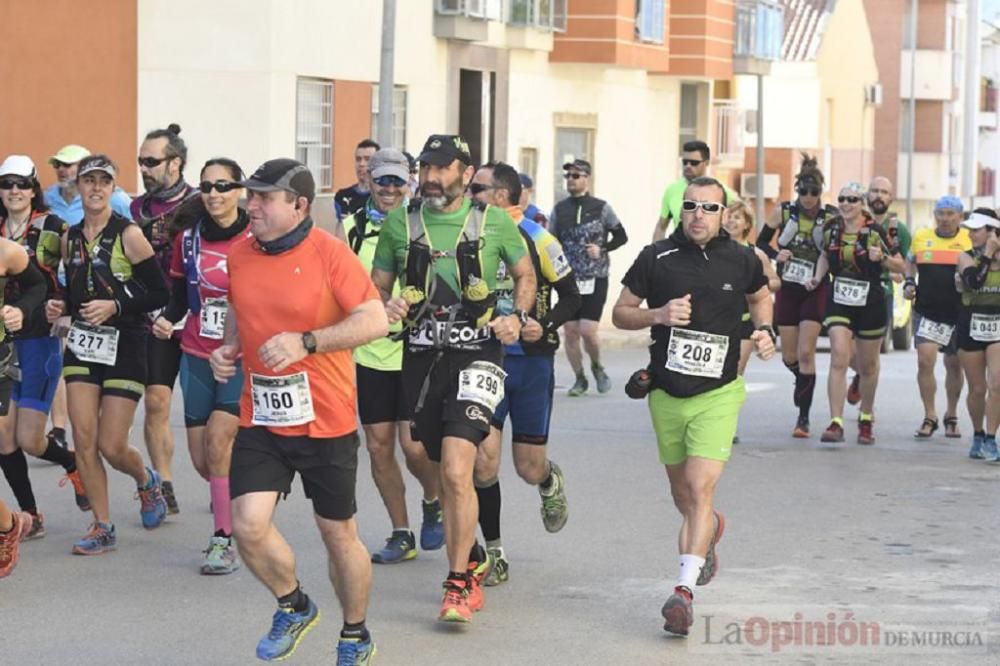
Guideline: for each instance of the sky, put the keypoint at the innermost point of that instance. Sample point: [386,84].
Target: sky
[990,9]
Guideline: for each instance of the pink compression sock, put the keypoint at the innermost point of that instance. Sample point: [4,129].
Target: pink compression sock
[219,486]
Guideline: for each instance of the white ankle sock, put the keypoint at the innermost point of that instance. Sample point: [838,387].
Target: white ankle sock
[690,569]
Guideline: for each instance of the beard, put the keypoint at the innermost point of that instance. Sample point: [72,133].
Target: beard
[151,184]
[439,197]
[878,206]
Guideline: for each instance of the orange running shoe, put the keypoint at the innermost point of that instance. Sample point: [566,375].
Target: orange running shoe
[10,543]
[73,477]
[801,430]
[455,604]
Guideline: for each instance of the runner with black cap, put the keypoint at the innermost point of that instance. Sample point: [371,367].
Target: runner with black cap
[382,407]
[582,223]
[299,302]
[447,254]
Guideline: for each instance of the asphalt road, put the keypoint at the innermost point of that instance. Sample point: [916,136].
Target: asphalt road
[833,554]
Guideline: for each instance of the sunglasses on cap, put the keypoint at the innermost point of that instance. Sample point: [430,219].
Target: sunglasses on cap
[220,186]
[687,162]
[389,181]
[151,162]
[574,176]
[710,207]
[850,200]
[808,191]
[20,183]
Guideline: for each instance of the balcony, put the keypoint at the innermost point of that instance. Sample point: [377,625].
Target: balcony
[727,124]
[934,75]
[760,29]
[465,20]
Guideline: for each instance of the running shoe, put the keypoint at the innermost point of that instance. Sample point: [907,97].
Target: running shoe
[152,508]
[355,652]
[555,511]
[476,574]
[220,557]
[59,439]
[711,566]
[990,453]
[854,390]
[601,377]
[801,430]
[833,433]
[976,452]
[501,568]
[10,543]
[73,477]
[678,613]
[287,630]
[398,548]
[99,540]
[455,604]
[37,530]
[169,497]
[432,528]
[865,434]
[580,387]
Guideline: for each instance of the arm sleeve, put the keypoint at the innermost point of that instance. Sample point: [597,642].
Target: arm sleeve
[33,289]
[614,225]
[154,292]
[974,277]
[764,241]
[569,303]
[178,305]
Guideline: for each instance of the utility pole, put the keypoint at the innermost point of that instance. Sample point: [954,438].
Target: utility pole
[912,112]
[386,84]
[759,193]
[971,122]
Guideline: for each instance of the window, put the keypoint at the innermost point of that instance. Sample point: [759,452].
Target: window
[314,129]
[528,162]
[541,14]
[649,21]
[398,138]
[484,9]
[571,143]
[689,113]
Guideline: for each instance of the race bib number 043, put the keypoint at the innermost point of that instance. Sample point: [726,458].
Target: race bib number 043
[281,401]
[853,293]
[94,344]
[482,383]
[985,327]
[696,353]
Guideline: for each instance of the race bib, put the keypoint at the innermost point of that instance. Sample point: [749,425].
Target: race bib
[93,344]
[850,292]
[281,401]
[985,327]
[935,331]
[696,353]
[798,271]
[482,383]
[213,318]
[586,286]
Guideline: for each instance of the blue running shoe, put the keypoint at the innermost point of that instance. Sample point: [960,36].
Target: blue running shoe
[153,508]
[398,548]
[99,540]
[976,452]
[287,630]
[990,453]
[355,652]
[432,529]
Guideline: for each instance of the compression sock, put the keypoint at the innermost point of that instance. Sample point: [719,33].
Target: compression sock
[805,387]
[56,454]
[794,369]
[15,469]
[489,510]
[221,508]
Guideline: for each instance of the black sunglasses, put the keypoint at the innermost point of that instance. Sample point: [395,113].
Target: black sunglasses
[221,186]
[710,207]
[808,191]
[574,176]
[692,162]
[850,200]
[387,181]
[151,162]
[479,188]
[20,183]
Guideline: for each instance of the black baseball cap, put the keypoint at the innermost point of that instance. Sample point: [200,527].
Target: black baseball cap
[442,149]
[283,175]
[581,165]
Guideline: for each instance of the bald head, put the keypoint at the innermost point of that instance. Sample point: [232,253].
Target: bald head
[880,195]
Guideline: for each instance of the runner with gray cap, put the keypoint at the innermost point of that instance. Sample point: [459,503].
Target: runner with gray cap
[382,407]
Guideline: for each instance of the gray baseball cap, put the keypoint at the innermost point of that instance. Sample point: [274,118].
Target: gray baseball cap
[389,162]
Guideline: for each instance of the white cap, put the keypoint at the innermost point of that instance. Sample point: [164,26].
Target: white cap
[18,165]
[978,221]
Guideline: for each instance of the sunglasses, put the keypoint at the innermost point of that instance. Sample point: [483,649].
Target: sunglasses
[710,207]
[62,165]
[808,191]
[151,162]
[850,200]
[220,186]
[574,176]
[389,181]
[479,188]
[20,183]
[692,162]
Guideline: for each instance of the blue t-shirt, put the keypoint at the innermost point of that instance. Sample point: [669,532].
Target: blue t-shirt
[72,212]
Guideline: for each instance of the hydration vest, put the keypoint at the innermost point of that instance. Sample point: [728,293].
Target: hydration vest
[89,274]
[439,302]
[846,257]
[805,230]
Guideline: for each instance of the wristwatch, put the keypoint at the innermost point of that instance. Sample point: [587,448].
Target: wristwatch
[309,342]
[522,315]
[770,331]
